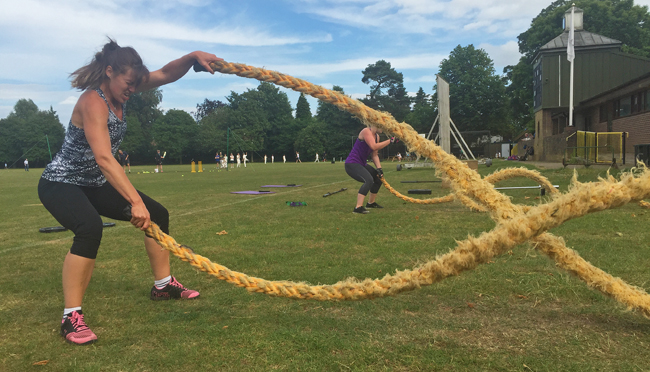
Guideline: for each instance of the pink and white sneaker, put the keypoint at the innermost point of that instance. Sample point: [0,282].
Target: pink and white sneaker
[75,330]
[173,290]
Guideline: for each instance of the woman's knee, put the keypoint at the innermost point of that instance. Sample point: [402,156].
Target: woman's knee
[87,238]
[367,186]
[160,215]
[375,187]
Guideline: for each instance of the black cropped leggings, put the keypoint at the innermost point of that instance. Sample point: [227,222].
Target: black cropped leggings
[78,208]
[366,174]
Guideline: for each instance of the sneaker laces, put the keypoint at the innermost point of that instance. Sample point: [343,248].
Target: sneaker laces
[176,283]
[77,321]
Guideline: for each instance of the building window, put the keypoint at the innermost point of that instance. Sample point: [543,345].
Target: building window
[537,85]
[638,103]
[558,123]
[623,107]
[602,113]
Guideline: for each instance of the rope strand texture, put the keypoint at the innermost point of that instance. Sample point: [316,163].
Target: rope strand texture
[515,224]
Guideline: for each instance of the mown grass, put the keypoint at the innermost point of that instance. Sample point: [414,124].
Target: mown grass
[518,313]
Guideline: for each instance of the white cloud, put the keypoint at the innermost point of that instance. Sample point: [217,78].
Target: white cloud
[71,100]
[429,16]
[502,55]
[417,61]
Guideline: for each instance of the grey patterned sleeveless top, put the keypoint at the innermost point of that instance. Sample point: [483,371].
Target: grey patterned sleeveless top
[75,162]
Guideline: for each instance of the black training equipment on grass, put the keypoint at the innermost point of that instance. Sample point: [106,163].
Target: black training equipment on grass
[420,191]
[61,228]
[333,192]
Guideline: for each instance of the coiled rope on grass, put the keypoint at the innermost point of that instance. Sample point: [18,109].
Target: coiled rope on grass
[498,176]
[515,224]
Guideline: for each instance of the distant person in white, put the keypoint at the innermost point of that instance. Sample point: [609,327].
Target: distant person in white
[316,161]
[245,159]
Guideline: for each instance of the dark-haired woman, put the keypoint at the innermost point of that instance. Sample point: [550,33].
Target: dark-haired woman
[356,166]
[74,186]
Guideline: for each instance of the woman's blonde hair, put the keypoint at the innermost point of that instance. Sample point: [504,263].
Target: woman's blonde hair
[120,59]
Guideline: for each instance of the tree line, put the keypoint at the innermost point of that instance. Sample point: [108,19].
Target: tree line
[261,121]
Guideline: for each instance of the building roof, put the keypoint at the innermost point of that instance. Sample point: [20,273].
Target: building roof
[583,39]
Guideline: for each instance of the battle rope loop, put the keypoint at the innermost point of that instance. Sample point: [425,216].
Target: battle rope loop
[515,224]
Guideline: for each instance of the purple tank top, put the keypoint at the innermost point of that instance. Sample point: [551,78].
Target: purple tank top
[359,153]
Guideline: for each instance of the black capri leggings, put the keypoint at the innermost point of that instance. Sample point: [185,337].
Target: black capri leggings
[366,174]
[78,208]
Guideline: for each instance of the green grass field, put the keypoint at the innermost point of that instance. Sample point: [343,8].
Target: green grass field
[518,313]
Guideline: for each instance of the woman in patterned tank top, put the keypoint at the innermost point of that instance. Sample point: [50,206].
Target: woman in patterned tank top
[74,187]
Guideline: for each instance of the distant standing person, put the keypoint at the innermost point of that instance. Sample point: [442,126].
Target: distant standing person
[217,159]
[316,161]
[6,166]
[284,159]
[264,158]
[238,161]
[367,144]
[124,160]
[159,159]
[298,157]
[272,159]
[245,158]
[26,165]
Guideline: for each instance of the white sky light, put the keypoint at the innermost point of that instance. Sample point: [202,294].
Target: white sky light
[327,42]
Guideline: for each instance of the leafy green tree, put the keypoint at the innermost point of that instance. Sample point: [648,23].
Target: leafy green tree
[310,140]
[135,142]
[206,108]
[423,115]
[175,133]
[340,127]
[248,121]
[23,134]
[282,129]
[476,93]
[387,92]
[212,135]
[303,110]
[144,107]
[519,92]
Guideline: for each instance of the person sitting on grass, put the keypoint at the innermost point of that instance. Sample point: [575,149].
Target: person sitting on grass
[356,166]
[74,187]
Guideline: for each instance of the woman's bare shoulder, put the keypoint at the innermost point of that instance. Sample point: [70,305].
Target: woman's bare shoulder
[90,105]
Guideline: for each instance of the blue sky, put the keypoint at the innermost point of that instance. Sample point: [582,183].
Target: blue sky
[327,42]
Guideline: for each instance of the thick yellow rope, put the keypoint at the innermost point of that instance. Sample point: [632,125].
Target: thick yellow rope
[515,224]
[498,176]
